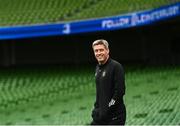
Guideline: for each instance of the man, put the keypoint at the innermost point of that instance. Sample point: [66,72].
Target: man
[109,108]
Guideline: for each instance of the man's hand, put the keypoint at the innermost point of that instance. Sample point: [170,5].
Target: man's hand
[95,114]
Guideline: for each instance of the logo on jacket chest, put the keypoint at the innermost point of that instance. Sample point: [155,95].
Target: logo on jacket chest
[102,73]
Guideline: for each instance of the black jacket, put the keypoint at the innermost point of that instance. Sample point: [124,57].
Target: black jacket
[110,84]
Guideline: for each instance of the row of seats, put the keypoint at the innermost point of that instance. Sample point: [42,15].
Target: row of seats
[20,12]
[24,86]
[57,96]
[152,96]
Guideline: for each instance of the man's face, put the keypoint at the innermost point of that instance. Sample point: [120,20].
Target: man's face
[101,53]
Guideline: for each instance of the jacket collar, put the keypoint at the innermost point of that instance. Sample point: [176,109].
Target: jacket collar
[101,65]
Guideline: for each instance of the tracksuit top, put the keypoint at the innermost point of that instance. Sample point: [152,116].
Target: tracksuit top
[110,84]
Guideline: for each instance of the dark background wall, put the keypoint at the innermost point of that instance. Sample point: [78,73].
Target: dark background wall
[154,44]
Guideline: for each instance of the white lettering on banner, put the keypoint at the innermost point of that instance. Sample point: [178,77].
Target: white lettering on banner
[143,18]
[134,19]
[115,23]
[67,29]
[165,12]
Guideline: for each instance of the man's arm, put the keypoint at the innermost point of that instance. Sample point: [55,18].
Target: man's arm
[119,85]
[95,111]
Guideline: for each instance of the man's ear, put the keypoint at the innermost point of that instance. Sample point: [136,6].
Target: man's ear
[108,51]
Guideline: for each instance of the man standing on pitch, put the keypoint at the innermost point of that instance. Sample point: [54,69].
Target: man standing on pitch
[109,108]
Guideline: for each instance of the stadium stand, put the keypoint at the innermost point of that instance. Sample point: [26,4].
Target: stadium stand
[62,95]
[25,12]
[59,96]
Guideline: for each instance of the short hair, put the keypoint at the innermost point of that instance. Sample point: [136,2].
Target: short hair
[101,42]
